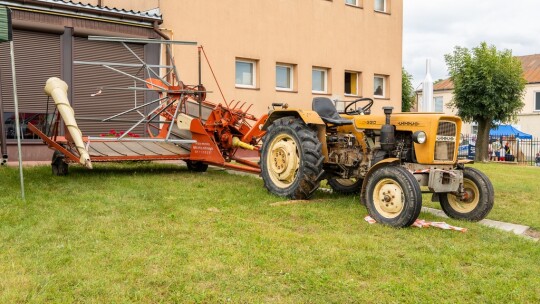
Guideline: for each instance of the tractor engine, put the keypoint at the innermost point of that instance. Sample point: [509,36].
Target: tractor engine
[343,149]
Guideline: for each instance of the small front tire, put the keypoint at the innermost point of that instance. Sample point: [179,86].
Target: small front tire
[478,201]
[393,197]
[196,166]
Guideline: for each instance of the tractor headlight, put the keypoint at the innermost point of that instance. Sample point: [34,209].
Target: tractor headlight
[419,137]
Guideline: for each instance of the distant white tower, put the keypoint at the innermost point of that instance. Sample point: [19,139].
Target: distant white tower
[427,94]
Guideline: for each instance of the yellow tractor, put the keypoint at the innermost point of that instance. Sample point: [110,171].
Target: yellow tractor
[388,159]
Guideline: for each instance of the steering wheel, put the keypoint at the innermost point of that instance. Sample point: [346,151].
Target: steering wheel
[362,110]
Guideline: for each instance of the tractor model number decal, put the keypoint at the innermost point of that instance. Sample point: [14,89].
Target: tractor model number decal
[409,123]
[446,138]
[370,122]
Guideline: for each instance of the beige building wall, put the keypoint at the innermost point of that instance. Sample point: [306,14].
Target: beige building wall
[529,118]
[304,34]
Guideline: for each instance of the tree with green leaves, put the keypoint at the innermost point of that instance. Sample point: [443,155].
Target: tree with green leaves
[488,89]
[407,91]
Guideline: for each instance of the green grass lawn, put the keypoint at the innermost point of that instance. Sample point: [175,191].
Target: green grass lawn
[156,233]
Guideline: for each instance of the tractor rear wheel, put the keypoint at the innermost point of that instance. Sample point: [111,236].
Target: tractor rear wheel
[291,159]
[58,165]
[346,185]
[393,196]
[196,166]
[478,200]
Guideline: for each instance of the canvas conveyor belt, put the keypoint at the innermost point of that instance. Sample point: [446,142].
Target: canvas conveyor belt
[133,149]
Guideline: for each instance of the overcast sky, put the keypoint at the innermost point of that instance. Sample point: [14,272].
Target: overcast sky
[431,28]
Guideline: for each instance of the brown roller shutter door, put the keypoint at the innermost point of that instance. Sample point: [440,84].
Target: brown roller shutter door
[89,79]
[37,57]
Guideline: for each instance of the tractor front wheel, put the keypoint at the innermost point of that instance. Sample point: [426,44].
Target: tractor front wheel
[346,185]
[393,196]
[291,159]
[476,202]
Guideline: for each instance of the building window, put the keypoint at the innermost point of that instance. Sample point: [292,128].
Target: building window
[284,77]
[352,86]
[319,80]
[379,86]
[380,6]
[537,101]
[352,2]
[37,119]
[438,101]
[245,73]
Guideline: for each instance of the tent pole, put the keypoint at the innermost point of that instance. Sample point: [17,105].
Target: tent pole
[17,123]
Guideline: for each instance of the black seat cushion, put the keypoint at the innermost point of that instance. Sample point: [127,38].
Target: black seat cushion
[327,111]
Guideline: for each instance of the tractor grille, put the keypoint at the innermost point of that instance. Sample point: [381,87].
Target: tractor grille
[445,143]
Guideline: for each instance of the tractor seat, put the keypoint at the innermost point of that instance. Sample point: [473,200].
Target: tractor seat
[327,111]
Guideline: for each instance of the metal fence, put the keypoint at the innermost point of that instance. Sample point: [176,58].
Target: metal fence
[522,151]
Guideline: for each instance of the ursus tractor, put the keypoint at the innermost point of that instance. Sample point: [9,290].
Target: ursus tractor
[389,160]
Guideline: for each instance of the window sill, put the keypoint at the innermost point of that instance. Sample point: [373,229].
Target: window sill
[322,93]
[383,12]
[248,88]
[352,95]
[381,98]
[354,6]
[286,91]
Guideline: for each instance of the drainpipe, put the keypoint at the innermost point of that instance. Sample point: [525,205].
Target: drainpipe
[2,131]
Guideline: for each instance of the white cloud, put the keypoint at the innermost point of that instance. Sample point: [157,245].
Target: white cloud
[433,28]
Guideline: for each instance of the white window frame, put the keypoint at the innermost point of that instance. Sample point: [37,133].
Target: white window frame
[352,4]
[325,70]
[253,76]
[385,8]
[535,100]
[291,77]
[383,87]
[435,103]
[357,83]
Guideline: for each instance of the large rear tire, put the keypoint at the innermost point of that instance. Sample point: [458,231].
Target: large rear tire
[478,201]
[393,196]
[291,159]
[346,185]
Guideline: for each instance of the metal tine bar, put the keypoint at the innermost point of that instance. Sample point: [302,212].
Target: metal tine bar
[134,77]
[139,122]
[135,108]
[140,40]
[243,104]
[168,50]
[174,116]
[154,90]
[129,65]
[86,118]
[144,65]
[116,139]
[162,110]
[236,104]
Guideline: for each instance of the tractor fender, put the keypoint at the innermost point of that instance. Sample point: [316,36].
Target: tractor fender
[383,163]
[308,117]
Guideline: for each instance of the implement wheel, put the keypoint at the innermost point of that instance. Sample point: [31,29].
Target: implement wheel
[291,160]
[58,165]
[196,166]
[346,185]
[393,197]
[478,201]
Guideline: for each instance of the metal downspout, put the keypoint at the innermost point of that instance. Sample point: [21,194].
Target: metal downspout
[2,131]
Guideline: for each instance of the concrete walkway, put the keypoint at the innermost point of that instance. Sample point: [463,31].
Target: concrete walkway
[521,230]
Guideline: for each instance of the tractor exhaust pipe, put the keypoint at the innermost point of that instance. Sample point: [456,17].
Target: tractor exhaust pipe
[388,139]
[57,89]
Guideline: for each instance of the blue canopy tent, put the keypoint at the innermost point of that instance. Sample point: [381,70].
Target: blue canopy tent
[508,130]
